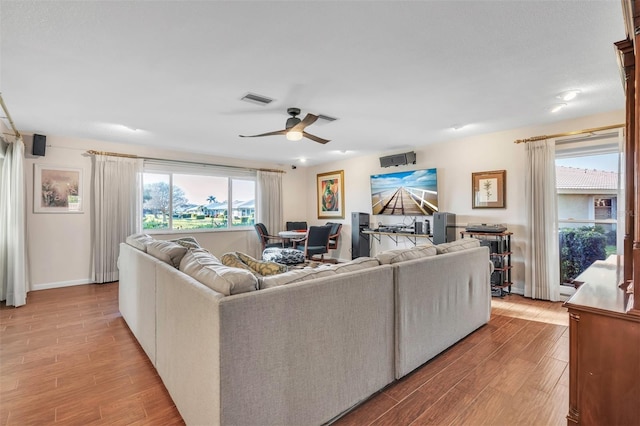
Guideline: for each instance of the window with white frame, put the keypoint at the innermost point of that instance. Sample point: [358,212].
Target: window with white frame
[186,196]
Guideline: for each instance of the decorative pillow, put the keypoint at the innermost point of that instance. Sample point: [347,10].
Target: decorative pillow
[139,241]
[188,242]
[262,267]
[401,255]
[355,265]
[294,276]
[458,245]
[283,255]
[231,259]
[206,268]
[167,251]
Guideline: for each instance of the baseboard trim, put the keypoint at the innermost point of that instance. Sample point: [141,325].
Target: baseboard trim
[60,284]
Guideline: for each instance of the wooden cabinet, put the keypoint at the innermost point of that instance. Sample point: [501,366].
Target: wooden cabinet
[499,244]
[604,351]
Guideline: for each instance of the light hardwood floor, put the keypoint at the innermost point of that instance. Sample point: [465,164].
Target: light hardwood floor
[67,357]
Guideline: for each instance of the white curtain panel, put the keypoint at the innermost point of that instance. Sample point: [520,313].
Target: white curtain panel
[13,247]
[269,204]
[542,271]
[117,210]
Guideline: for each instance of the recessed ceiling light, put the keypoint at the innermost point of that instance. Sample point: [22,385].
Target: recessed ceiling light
[557,107]
[303,160]
[457,126]
[568,95]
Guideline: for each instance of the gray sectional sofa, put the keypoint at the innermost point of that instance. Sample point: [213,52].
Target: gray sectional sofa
[302,347]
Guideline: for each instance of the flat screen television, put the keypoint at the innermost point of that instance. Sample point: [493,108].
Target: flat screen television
[409,193]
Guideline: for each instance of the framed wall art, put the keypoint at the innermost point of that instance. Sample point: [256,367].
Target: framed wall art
[489,189]
[57,189]
[330,188]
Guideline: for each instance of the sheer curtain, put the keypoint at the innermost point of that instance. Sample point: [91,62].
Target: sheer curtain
[13,268]
[117,209]
[269,206]
[542,276]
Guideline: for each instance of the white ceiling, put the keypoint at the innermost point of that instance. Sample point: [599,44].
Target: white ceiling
[396,74]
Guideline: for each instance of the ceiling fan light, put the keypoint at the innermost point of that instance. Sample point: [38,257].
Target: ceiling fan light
[294,136]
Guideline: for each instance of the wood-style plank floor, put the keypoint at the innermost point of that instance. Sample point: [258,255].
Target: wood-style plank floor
[67,357]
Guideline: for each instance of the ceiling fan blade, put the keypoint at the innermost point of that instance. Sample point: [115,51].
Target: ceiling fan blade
[308,120]
[277,132]
[315,138]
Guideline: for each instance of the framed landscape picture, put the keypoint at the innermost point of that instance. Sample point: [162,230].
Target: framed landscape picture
[330,188]
[57,189]
[489,189]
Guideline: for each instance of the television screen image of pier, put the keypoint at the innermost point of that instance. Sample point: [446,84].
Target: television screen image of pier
[410,193]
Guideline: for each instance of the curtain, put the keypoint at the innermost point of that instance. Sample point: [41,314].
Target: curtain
[117,210]
[542,274]
[13,247]
[269,205]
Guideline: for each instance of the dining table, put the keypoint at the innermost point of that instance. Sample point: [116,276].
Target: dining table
[290,236]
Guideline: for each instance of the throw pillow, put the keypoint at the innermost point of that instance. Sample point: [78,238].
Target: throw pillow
[232,260]
[188,242]
[284,256]
[206,268]
[262,267]
[139,241]
[458,245]
[167,251]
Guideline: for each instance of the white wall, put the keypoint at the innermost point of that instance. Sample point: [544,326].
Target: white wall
[60,244]
[455,161]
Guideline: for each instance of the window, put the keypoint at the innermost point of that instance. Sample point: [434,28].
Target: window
[184,196]
[587,184]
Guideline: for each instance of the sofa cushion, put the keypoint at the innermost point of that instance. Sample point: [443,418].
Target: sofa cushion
[283,255]
[206,268]
[355,265]
[295,276]
[401,255]
[188,242]
[458,245]
[139,241]
[166,251]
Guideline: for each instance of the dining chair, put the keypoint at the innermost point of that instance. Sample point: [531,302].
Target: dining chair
[316,242]
[334,235]
[295,226]
[264,237]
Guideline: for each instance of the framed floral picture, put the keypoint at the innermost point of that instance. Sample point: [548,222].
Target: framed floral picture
[57,189]
[330,187]
[489,189]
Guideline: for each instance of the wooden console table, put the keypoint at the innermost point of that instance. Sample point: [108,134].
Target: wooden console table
[604,350]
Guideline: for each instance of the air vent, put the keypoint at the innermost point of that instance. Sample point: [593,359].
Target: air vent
[256,99]
[326,118]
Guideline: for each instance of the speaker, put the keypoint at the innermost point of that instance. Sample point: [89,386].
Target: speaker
[417,228]
[39,145]
[398,159]
[444,227]
[359,241]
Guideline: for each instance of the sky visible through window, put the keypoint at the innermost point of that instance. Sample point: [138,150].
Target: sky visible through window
[606,162]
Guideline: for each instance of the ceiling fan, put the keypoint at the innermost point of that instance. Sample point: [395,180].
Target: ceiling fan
[294,130]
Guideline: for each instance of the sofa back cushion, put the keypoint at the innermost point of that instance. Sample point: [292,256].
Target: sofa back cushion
[206,268]
[401,255]
[355,265]
[458,245]
[167,251]
[139,241]
[295,276]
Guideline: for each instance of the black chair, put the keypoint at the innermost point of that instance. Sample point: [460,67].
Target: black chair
[334,235]
[316,242]
[265,238]
[296,226]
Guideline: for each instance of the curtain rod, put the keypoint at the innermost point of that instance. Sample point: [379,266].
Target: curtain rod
[8,117]
[115,154]
[577,132]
